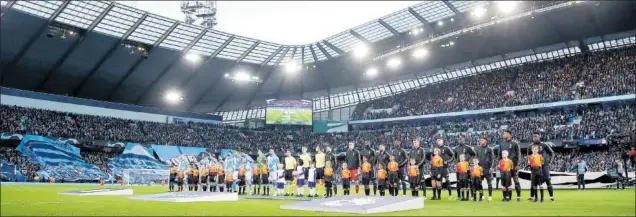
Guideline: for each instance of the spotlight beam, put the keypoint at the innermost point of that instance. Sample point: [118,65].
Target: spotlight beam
[238,60]
[280,85]
[198,69]
[169,67]
[259,87]
[133,68]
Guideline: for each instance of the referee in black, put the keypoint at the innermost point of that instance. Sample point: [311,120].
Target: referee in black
[402,159]
[418,153]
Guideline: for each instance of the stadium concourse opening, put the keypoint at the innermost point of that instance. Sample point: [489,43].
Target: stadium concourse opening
[442,108]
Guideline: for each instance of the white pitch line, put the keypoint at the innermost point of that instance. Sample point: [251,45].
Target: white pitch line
[50,202]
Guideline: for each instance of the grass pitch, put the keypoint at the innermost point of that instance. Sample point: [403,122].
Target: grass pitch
[45,201]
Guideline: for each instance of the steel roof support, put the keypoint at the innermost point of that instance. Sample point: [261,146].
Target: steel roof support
[238,61]
[359,37]
[260,85]
[322,49]
[390,28]
[451,7]
[302,77]
[280,85]
[322,77]
[107,55]
[169,67]
[72,48]
[31,40]
[212,56]
[197,70]
[140,59]
[7,7]
[424,22]
[334,48]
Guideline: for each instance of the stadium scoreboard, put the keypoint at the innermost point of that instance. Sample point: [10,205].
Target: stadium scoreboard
[289,112]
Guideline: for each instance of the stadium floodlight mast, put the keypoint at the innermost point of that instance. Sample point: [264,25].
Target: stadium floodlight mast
[420,53]
[173,96]
[361,50]
[372,72]
[394,62]
[507,6]
[192,57]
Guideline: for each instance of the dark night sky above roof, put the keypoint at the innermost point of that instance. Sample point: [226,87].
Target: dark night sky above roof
[92,64]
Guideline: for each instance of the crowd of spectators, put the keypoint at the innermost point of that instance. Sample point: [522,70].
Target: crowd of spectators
[595,122]
[591,75]
[23,165]
[99,159]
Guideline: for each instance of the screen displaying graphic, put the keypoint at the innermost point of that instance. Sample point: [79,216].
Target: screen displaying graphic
[297,112]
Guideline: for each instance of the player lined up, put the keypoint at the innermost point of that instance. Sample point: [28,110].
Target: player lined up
[386,170]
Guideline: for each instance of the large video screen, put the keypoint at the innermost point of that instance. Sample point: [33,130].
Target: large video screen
[296,112]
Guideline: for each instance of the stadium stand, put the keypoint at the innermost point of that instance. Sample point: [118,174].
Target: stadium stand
[592,75]
[581,74]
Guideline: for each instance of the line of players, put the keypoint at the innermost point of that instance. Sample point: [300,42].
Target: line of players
[389,170]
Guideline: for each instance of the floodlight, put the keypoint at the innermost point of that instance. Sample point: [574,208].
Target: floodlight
[451,43]
[361,50]
[452,20]
[254,77]
[440,23]
[227,75]
[506,6]
[419,53]
[192,57]
[292,67]
[242,76]
[394,62]
[478,12]
[372,72]
[173,96]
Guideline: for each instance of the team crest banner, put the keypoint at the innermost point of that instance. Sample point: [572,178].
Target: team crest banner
[59,159]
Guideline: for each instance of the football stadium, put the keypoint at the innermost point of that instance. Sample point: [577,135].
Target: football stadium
[438,108]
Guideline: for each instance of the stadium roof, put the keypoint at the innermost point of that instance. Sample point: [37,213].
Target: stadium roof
[88,59]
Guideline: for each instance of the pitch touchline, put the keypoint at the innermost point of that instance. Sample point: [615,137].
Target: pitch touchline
[53,202]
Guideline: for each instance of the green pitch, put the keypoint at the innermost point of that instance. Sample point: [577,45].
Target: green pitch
[45,201]
[288,116]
